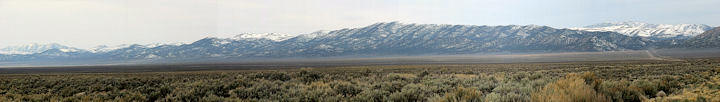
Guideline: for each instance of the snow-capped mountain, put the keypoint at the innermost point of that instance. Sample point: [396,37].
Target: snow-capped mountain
[269,36]
[106,48]
[153,45]
[394,38]
[36,48]
[380,39]
[655,31]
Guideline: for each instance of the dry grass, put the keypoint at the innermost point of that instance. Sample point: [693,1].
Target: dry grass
[572,88]
[465,76]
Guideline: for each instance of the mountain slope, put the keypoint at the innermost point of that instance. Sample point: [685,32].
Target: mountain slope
[268,36]
[397,38]
[655,31]
[35,48]
[380,39]
[708,39]
[105,48]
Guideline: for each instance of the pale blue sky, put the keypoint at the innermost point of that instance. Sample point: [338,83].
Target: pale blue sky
[87,23]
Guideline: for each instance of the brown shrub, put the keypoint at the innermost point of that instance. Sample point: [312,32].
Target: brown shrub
[572,88]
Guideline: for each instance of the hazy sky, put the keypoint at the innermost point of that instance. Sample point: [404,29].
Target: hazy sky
[87,23]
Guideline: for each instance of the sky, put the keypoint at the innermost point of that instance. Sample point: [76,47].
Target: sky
[88,23]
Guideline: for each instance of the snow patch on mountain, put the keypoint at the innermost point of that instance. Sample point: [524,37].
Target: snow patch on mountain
[270,36]
[34,48]
[313,35]
[152,56]
[106,48]
[649,30]
[69,50]
[153,45]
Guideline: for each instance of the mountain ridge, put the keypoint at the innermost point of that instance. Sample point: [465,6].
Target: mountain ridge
[654,31]
[379,39]
[35,48]
[708,39]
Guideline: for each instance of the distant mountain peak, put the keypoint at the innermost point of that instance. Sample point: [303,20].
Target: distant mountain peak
[269,36]
[153,45]
[388,23]
[642,29]
[624,23]
[106,48]
[312,35]
[32,48]
[708,39]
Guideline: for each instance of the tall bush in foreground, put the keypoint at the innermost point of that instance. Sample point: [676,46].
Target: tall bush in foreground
[572,88]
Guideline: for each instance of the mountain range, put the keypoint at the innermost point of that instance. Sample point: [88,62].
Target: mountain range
[653,31]
[383,39]
[35,48]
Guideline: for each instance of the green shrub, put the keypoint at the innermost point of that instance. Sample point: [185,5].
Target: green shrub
[460,95]
[309,76]
[273,76]
[646,88]
[392,86]
[345,88]
[260,90]
[412,93]
[371,96]
[619,91]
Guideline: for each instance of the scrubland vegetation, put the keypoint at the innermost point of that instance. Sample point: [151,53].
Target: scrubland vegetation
[627,81]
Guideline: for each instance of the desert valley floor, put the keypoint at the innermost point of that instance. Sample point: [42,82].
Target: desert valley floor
[607,76]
